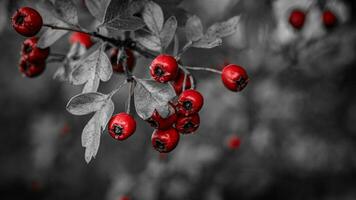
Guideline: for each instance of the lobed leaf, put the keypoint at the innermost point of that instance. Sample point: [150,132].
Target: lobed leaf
[86,103]
[150,95]
[97,8]
[168,32]
[207,42]
[194,28]
[150,42]
[153,17]
[223,29]
[114,9]
[129,23]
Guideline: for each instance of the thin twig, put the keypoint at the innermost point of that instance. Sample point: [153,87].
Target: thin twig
[128,108]
[184,49]
[204,69]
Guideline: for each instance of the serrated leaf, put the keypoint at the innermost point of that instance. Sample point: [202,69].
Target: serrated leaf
[207,43]
[168,32]
[129,23]
[153,17]
[97,8]
[91,69]
[224,29]
[150,42]
[114,9]
[194,28]
[92,131]
[150,95]
[86,103]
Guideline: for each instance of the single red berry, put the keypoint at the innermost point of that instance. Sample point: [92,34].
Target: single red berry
[164,68]
[189,102]
[165,141]
[234,77]
[81,38]
[297,19]
[129,61]
[124,198]
[157,122]
[179,81]
[329,19]
[32,52]
[188,124]
[121,126]
[27,21]
[31,69]
[233,142]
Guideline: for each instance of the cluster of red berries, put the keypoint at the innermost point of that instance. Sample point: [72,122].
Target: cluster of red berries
[297,19]
[28,22]
[184,116]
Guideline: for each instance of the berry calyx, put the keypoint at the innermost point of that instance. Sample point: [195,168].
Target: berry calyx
[157,122]
[121,126]
[188,124]
[233,142]
[81,38]
[234,77]
[329,19]
[179,81]
[32,52]
[27,21]
[297,19]
[129,61]
[189,102]
[165,141]
[164,68]
[31,69]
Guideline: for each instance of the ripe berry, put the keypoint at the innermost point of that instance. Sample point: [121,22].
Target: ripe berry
[27,21]
[32,52]
[81,38]
[30,69]
[188,124]
[121,126]
[165,141]
[129,61]
[329,19]
[179,80]
[189,102]
[157,122]
[297,19]
[233,142]
[164,68]
[234,77]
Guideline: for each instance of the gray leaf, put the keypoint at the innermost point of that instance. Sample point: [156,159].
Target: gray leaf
[93,129]
[168,32]
[97,8]
[114,9]
[50,36]
[130,23]
[86,103]
[150,42]
[66,10]
[150,96]
[207,42]
[224,29]
[91,85]
[153,17]
[194,28]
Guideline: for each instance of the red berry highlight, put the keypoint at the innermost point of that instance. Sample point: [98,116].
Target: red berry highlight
[27,21]
[121,126]
[189,102]
[81,38]
[164,68]
[234,77]
[297,19]
[188,124]
[32,52]
[165,141]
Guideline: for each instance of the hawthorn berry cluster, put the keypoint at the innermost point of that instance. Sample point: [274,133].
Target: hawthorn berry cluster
[297,18]
[169,101]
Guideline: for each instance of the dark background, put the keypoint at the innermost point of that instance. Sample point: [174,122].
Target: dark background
[296,118]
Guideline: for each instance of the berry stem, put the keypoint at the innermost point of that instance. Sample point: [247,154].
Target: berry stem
[186,73]
[184,49]
[131,87]
[117,89]
[204,69]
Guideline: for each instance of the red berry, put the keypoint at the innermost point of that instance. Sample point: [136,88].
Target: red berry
[297,19]
[157,122]
[27,21]
[32,52]
[121,126]
[329,19]
[188,124]
[179,80]
[124,198]
[31,69]
[81,38]
[234,77]
[164,68]
[129,61]
[165,141]
[233,142]
[189,102]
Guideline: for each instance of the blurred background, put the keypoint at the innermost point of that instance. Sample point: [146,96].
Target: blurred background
[296,119]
